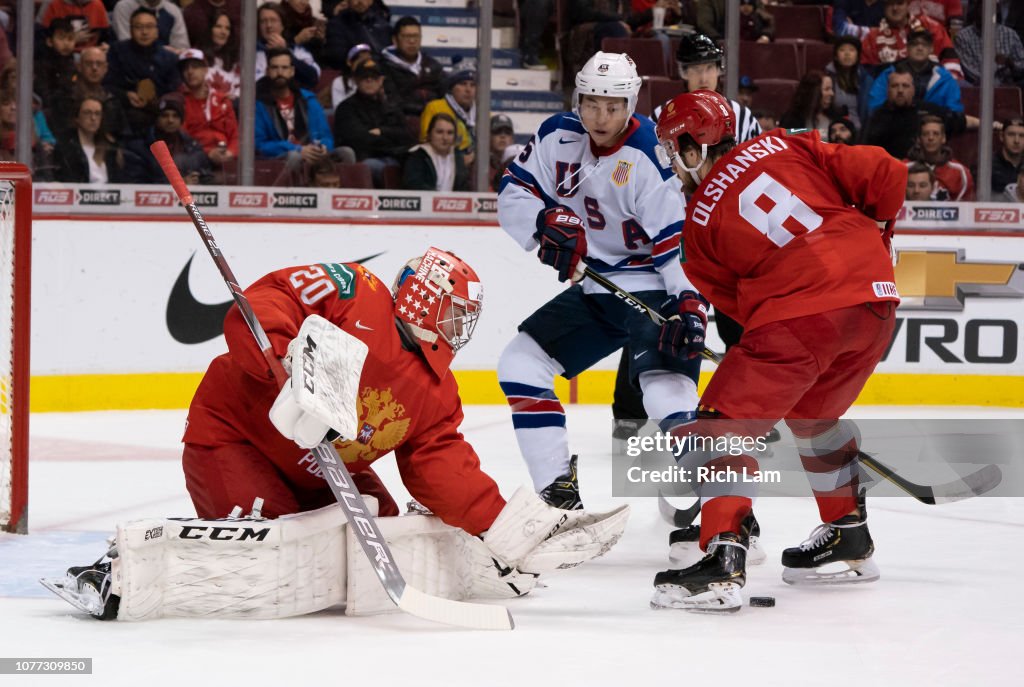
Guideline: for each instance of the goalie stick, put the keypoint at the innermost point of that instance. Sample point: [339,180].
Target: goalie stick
[363,526]
[979,482]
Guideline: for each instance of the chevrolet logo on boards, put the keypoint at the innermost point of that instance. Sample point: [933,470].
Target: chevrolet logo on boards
[942,280]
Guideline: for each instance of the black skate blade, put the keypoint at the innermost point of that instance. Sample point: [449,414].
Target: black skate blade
[676,516]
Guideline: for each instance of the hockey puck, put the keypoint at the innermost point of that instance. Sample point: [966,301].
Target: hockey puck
[762,601]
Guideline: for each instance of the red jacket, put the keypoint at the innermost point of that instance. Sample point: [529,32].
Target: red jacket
[784,226]
[885,45]
[402,405]
[211,121]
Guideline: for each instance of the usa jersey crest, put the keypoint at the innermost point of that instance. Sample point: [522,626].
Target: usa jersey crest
[621,174]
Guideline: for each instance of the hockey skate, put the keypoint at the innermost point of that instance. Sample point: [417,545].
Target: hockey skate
[87,588]
[683,548]
[712,585]
[564,492]
[836,552]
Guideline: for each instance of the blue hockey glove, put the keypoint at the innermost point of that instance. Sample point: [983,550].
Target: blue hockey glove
[563,240]
[683,334]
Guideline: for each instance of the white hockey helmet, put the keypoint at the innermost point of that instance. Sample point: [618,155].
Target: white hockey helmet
[608,74]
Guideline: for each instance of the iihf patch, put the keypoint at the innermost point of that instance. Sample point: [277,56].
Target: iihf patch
[621,173]
[366,433]
[885,289]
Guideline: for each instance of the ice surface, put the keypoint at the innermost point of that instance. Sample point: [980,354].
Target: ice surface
[947,610]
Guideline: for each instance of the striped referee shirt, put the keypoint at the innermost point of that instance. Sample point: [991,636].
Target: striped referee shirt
[746,123]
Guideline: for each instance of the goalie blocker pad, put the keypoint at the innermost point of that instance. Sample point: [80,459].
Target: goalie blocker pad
[323,391]
[294,565]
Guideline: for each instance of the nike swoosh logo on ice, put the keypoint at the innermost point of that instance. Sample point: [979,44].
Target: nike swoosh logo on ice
[360,325]
[568,140]
[192,322]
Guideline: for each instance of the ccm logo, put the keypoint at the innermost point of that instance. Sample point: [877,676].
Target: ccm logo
[150,199]
[54,197]
[223,533]
[352,202]
[453,205]
[248,200]
[997,215]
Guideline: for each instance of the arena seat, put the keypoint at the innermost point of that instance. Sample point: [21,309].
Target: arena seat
[799,21]
[648,53]
[778,60]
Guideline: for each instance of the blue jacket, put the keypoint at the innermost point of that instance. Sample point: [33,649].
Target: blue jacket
[271,133]
[942,90]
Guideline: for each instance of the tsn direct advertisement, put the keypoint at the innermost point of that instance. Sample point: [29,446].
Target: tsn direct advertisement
[137,277]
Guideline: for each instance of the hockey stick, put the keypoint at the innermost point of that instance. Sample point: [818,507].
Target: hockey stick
[362,525]
[983,480]
[641,307]
[677,517]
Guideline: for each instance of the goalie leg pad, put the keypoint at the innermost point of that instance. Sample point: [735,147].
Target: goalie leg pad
[522,524]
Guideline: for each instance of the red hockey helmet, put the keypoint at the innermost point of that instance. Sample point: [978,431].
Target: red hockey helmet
[438,297]
[705,116]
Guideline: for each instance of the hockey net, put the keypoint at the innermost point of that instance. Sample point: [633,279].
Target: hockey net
[15,259]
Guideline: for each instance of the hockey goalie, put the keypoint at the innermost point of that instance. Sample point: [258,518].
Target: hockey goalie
[369,369]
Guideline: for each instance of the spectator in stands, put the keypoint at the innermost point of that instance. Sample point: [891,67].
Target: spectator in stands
[365,21]
[54,73]
[920,181]
[412,78]
[953,181]
[766,120]
[437,164]
[324,175]
[745,91]
[87,154]
[208,115]
[270,19]
[221,51]
[141,71]
[888,42]
[850,79]
[603,16]
[171,31]
[344,86]
[187,153]
[842,130]
[932,82]
[812,105]
[856,17]
[302,27]
[199,18]
[1010,160]
[893,125]
[1009,51]
[711,18]
[371,124]
[89,17]
[756,23]
[42,138]
[460,105]
[1014,193]
[503,147]
[949,13]
[1010,13]
[534,16]
[290,123]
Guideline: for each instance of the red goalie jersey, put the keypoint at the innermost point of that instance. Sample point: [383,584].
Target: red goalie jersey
[783,226]
[233,452]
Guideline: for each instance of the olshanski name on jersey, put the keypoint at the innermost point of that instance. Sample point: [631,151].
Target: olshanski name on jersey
[715,187]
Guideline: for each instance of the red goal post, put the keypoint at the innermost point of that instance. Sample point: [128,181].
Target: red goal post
[15,283]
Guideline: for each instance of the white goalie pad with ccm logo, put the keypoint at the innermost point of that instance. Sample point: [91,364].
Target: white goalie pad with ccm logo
[293,565]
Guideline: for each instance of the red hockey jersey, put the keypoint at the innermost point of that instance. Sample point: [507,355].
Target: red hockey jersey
[784,226]
[402,405]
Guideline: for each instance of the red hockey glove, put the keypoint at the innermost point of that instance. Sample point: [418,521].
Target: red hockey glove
[683,334]
[563,240]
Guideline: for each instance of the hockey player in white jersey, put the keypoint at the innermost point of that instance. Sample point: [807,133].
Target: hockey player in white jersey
[589,190]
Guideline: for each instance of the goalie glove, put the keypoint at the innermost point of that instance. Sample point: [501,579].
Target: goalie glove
[682,335]
[563,241]
[320,401]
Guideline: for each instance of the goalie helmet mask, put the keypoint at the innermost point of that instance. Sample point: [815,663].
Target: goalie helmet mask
[610,75]
[702,118]
[438,299]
